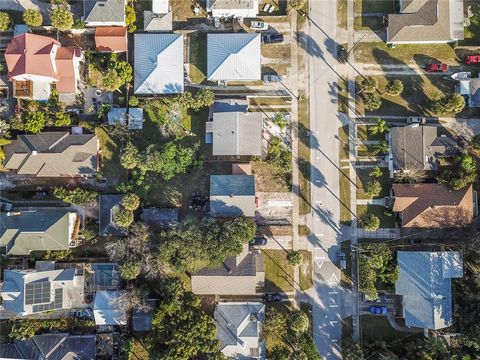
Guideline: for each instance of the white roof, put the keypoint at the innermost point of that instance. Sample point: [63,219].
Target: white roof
[158,64]
[108,309]
[160,6]
[233,57]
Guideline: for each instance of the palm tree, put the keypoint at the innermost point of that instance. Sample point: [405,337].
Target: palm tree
[381,148]
[410,175]
[380,127]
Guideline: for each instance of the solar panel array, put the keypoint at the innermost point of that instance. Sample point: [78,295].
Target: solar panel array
[57,304]
[37,293]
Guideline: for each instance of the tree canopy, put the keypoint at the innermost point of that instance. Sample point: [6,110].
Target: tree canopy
[32,17]
[372,102]
[34,121]
[194,245]
[394,88]
[464,173]
[61,18]
[76,196]
[5,21]
[370,222]
[448,104]
[369,85]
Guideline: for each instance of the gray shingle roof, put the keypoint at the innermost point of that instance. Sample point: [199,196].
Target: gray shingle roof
[40,229]
[158,64]
[107,11]
[157,22]
[419,147]
[232,195]
[233,57]
[52,347]
[109,205]
[53,154]
[236,132]
[425,284]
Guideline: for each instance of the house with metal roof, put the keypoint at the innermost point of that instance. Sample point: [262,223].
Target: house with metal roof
[243,274]
[426,287]
[419,147]
[433,205]
[232,8]
[53,346]
[37,230]
[235,131]
[158,64]
[239,329]
[142,319]
[52,154]
[109,205]
[131,117]
[234,57]
[108,308]
[232,195]
[111,39]
[426,22]
[104,12]
[27,292]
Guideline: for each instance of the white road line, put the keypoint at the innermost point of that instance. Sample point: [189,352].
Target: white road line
[318,234]
[333,292]
[332,305]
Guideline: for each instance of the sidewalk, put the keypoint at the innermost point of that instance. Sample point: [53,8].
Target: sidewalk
[382,233]
[371,202]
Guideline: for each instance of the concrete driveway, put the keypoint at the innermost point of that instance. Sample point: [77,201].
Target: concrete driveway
[22,5]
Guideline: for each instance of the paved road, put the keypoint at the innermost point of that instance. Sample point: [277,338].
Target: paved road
[329,298]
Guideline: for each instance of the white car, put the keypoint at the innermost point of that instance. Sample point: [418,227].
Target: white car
[259,25]
[272,78]
[416,120]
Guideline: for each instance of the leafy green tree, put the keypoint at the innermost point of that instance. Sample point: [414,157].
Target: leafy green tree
[278,154]
[369,85]
[280,121]
[204,98]
[76,196]
[381,148]
[32,17]
[62,119]
[24,329]
[123,218]
[376,172]
[5,21]
[3,142]
[372,102]
[130,157]
[373,188]
[380,127]
[465,172]
[133,101]
[118,74]
[130,270]
[130,18]
[370,222]
[192,246]
[61,18]
[448,104]
[394,88]
[353,352]
[34,121]
[131,202]
[4,128]
[56,255]
[294,258]
[298,322]
[181,331]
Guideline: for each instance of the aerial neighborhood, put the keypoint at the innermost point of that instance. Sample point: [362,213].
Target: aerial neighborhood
[239,179]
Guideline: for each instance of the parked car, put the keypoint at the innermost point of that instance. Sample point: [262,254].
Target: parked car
[416,120]
[271,297]
[258,241]
[6,206]
[378,310]
[272,38]
[472,59]
[436,67]
[258,25]
[83,313]
[272,78]
[216,22]
[342,260]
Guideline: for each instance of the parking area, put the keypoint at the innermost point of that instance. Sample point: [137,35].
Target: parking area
[274,208]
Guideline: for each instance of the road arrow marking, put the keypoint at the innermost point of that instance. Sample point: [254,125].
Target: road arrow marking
[332,323]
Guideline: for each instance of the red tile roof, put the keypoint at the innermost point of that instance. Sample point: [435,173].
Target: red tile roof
[111,38]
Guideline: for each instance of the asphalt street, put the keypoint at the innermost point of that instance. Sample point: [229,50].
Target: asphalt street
[329,297]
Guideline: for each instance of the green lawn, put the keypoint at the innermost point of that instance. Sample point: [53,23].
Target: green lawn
[198,56]
[363,134]
[418,91]
[380,212]
[271,177]
[380,53]
[346,279]
[110,167]
[377,328]
[344,175]
[367,23]
[343,95]
[278,272]
[367,150]
[342,14]
[343,137]
[306,276]
[304,155]
[472,32]
[363,178]
[374,6]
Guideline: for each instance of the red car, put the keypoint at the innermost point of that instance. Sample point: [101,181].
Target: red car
[472,59]
[437,67]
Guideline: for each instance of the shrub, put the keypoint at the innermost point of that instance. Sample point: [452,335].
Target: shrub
[376,172]
[133,101]
[294,258]
[5,21]
[130,270]
[33,17]
[370,222]
[373,188]
[61,18]
[75,196]
[298,322]
[394,88]
[34,121]
[62,119]
[123,218]
[130,18]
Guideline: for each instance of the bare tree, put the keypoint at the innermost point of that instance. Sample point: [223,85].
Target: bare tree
[133,298]
[410,175]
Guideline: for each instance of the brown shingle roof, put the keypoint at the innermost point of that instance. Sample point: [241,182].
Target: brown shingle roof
[433,205]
